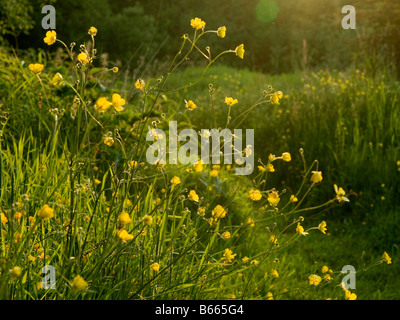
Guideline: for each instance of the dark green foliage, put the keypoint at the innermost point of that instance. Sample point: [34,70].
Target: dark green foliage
[304,34]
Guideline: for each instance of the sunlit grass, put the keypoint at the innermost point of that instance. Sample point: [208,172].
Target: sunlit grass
[78,194]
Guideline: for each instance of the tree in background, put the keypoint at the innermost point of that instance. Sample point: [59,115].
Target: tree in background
[16,17]
[279,35]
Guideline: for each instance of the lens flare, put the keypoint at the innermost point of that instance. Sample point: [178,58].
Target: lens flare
[267,11]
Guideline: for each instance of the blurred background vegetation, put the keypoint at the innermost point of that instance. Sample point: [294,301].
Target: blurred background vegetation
[279,35]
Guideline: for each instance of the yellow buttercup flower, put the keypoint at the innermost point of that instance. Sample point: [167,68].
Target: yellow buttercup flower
[327,277]
[293,198]
[148,220]
[36,68]
[51,37]
[15,272]
[254,262]
[140,84]
[340,194]
[248,151]
[316,176]
[85,257]
[201,211]
[57,79]
[255,195]
[198,167]
[273,198]
[271,157]
[175,181]
[251,222]
[83,58]
[124,218]
[3,218]
[261,169]
[206,134]
[349,295]
[197,23]
[228,256]
[117,102]
[325,269]
[226,235]
[124,236]
[18,237]
[314,280]
[214,173]
[109,141]
[155,267]
[276,97]
[102,104]
[274,274]
[286,156]
[156,163]
[218,212]
[79,283]
[133,164]
[18,215]
[386,258]
[193,196]
[190,105]
[32,220]
[42,255]
[322,227]
[221,32]
[273,239]
[92,31]
[115,69]
[212,221]
[240,51]
[230,101]
[46,212]
[245,259]
[270,167]
[270,296]
[300,230]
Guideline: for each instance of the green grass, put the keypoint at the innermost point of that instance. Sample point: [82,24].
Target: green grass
[353,131]
[53,152]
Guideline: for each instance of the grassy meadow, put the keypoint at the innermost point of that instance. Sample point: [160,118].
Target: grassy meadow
[77,193]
